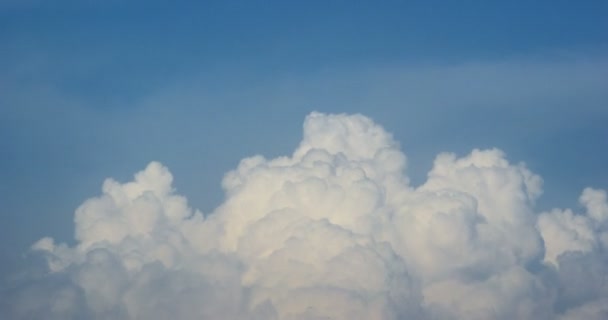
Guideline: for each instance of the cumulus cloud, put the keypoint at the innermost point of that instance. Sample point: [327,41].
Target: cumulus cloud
[334,231]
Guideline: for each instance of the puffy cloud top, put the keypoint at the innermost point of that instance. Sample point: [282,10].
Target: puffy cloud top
[333,231]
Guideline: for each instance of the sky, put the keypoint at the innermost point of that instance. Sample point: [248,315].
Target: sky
[96,89]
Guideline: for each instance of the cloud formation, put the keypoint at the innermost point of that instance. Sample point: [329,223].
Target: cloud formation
[334,231]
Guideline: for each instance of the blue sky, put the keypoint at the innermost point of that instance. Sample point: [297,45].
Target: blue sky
[91,89]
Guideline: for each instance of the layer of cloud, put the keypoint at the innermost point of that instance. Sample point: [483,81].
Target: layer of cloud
[334,231]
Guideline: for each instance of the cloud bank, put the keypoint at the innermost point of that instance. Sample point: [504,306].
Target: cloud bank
[334,231]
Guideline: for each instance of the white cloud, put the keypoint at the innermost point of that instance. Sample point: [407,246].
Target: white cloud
[565,231]
[334,231]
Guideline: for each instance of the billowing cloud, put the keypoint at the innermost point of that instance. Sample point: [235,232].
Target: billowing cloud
[334,231]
